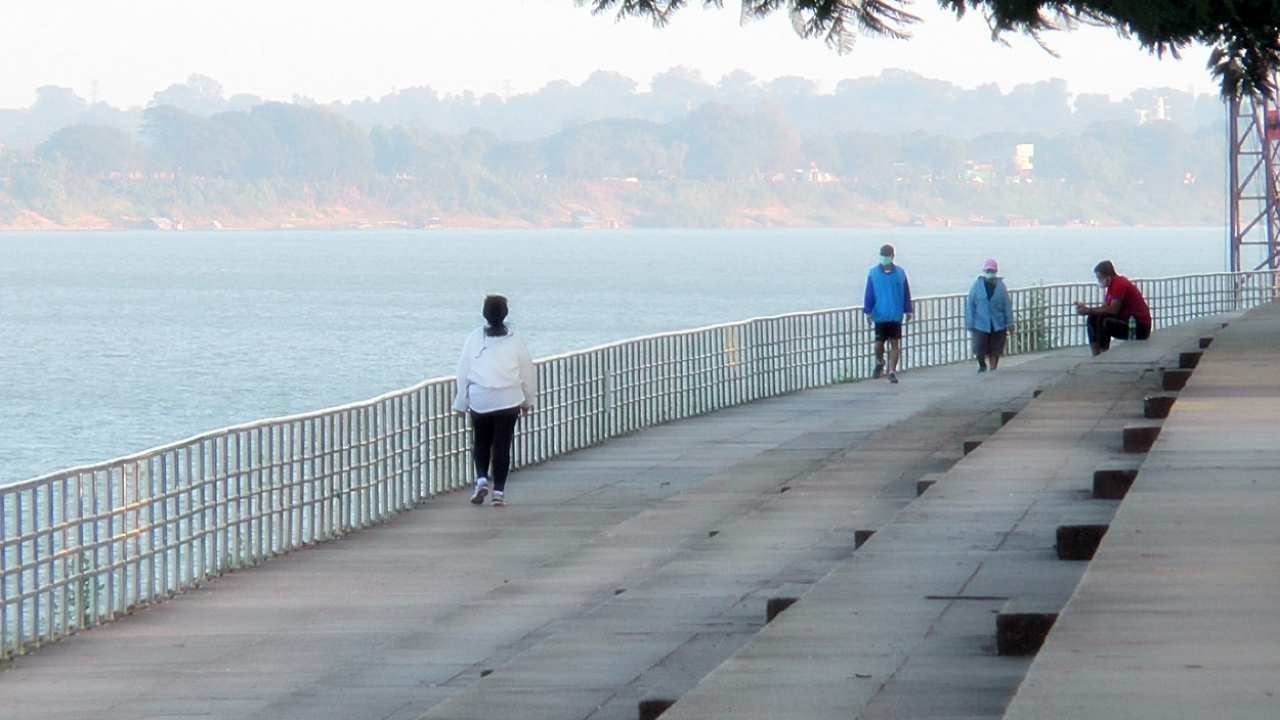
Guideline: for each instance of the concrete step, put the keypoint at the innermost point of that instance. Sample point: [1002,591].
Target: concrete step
[928,481]
[1140,436]
[1157,406]
[1111,481]
[1079,542]
[1175,379]
[1022,626]
[908,627]
[1175,617]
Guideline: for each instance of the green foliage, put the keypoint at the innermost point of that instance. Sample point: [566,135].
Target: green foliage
[92,149]
[82,590]
[728,144]
[1033,332]
[271,140]
[715,165]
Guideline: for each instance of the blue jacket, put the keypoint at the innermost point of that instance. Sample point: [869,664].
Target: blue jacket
[888,295]
[988,315]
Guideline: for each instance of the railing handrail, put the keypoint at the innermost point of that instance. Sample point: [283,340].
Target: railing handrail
[362,404]
[81,545]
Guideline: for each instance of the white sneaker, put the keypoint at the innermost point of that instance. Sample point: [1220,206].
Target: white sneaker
[498,499]
[482,489]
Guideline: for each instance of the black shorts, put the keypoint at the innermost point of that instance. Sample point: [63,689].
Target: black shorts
[888,331]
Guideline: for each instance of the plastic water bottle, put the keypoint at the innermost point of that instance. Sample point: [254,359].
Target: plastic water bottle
[1133,328]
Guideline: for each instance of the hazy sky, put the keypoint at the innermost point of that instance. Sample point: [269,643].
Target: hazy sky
[343,50]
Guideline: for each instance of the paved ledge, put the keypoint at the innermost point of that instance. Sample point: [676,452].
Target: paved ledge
[907,627]
[1178,615]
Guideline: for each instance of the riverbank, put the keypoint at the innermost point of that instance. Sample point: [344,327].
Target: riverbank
[779,219]
[194,203]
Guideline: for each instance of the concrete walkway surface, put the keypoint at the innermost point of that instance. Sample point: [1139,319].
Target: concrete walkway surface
[1178,615]
[907,628]
[615,573]
[642,568]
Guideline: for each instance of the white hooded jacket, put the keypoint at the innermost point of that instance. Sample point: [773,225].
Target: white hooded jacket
[494,373]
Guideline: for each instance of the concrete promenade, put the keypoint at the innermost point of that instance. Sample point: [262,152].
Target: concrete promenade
[1178,615]
[908,628]
[616,573]
[642,569]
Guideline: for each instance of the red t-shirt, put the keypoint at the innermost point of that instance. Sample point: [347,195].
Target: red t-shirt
[1131,300]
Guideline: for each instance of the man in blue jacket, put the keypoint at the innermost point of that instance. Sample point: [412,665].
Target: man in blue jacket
[887,302]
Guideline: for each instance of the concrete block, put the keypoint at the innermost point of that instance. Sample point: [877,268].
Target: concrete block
[1022,630]
[1188,360]
[1175,379]
[1139,437]
[1205,342]
[1007,416]
[860,537]
[1157,407]
[1079,542]
[1113,483]
[971,444]
[652,708]
[776,605]
[926,481]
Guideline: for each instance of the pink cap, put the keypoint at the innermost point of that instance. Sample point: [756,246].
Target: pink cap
[990,264]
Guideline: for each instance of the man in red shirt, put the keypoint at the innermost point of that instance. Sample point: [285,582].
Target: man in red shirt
[1123,314]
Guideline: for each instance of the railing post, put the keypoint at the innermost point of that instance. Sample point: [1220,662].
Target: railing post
[610,394]
[752,361]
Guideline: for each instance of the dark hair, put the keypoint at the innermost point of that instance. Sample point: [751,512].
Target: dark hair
[495,314]
[886,250]
[1105,268]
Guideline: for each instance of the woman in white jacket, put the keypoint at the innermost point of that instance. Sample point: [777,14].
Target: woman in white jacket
[496,383]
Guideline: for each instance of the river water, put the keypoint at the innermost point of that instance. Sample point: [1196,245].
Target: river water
[114,342]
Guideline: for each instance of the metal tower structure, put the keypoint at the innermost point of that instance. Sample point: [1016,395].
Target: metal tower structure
[1253,160]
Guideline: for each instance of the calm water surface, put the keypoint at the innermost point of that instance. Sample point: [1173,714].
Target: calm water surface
[114,342]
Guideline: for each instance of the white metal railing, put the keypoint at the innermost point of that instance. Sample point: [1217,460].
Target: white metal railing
[81,546]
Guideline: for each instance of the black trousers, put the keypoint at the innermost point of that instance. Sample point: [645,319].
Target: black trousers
[493,433]
[1103,328]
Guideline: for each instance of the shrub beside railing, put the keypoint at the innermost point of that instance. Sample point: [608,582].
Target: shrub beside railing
[81,546]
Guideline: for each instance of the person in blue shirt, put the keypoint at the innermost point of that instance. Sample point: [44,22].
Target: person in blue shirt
[887,303]
[988,313]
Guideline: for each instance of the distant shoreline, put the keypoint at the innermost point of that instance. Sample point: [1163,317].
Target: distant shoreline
[513,226]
